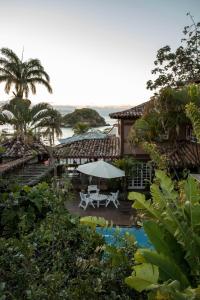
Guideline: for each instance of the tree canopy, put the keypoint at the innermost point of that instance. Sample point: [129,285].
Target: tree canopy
[52,123]
[25,118]
[45,252]
[176,68]
[80,128]
[19,113]
[20,76]
[165,114]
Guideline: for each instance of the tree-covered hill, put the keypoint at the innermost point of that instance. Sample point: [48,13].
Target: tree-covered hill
[84,115]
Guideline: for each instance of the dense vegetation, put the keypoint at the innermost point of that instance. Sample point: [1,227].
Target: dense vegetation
[21,78]
[84,115]
[165,114]
[179,67]
[46,254]
[171,271]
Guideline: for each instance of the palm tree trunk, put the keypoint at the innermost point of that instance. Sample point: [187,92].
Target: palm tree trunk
[53,136]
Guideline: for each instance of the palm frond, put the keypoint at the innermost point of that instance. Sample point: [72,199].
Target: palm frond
[37,73]
[10,55]
[42,81]
[33,88]
[23,75]
[39,107]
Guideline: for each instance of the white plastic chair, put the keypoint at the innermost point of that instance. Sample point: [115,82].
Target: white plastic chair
[85,201]
[93,189]
[114,199]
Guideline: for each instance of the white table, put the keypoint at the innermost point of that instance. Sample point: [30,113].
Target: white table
[98,198]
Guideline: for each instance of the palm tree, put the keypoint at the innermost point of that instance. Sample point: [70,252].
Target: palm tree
[22,75]
[80,128]
[22,116]
[52,122]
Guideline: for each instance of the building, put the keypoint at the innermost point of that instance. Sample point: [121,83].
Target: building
[142,170]
[183,154]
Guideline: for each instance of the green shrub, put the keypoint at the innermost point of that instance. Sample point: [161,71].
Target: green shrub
[172,270]
[45,253]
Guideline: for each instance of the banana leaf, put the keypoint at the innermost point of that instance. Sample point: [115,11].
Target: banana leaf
[145,276]
[168,269]
[165,243]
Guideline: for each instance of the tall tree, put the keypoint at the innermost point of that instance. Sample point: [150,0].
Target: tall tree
[20,76]
[52,122]
[181,66]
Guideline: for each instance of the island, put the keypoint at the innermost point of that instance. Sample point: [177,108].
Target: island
[84,115]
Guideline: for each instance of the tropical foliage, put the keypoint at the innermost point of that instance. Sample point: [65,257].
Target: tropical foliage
[46,254]
[165,115]
[165,118]
[193,113]
[181,66]
[127,164]
[80,128]
[52,123]
[21,77]
[24,117]
[172,270]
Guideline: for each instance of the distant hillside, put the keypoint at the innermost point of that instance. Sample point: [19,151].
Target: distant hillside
[103,111]
[84,115]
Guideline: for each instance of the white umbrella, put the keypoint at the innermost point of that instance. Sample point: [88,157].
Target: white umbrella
[101,169]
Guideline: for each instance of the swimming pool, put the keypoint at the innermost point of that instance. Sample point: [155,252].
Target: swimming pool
[139,234]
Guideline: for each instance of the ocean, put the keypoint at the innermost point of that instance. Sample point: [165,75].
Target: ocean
[103,111]
[64,109]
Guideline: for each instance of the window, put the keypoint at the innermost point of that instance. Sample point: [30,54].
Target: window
[165,135]
[142,174]
[190,136]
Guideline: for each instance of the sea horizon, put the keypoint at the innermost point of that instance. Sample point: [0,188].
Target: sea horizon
[104,112]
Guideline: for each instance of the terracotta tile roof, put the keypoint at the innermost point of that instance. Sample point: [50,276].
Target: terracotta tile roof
[4,167]
[18,148]
[99,148]
[132,113]
[184,154]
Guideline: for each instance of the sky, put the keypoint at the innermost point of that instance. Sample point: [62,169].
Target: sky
[97,52]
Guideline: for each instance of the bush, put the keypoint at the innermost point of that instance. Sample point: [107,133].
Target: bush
[46,254]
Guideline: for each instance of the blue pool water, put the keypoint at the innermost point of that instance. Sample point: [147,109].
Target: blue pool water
[139,234]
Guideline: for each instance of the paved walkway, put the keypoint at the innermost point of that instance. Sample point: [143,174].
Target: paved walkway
[124,215]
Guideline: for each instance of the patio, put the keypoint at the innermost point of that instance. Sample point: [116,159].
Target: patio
[124,215]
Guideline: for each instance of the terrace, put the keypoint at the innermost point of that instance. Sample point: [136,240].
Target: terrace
[124,215]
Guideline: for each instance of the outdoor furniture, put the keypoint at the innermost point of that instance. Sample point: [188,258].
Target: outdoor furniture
[99,198]
[93,189]
[101,169]
[85,201]
[114,199]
